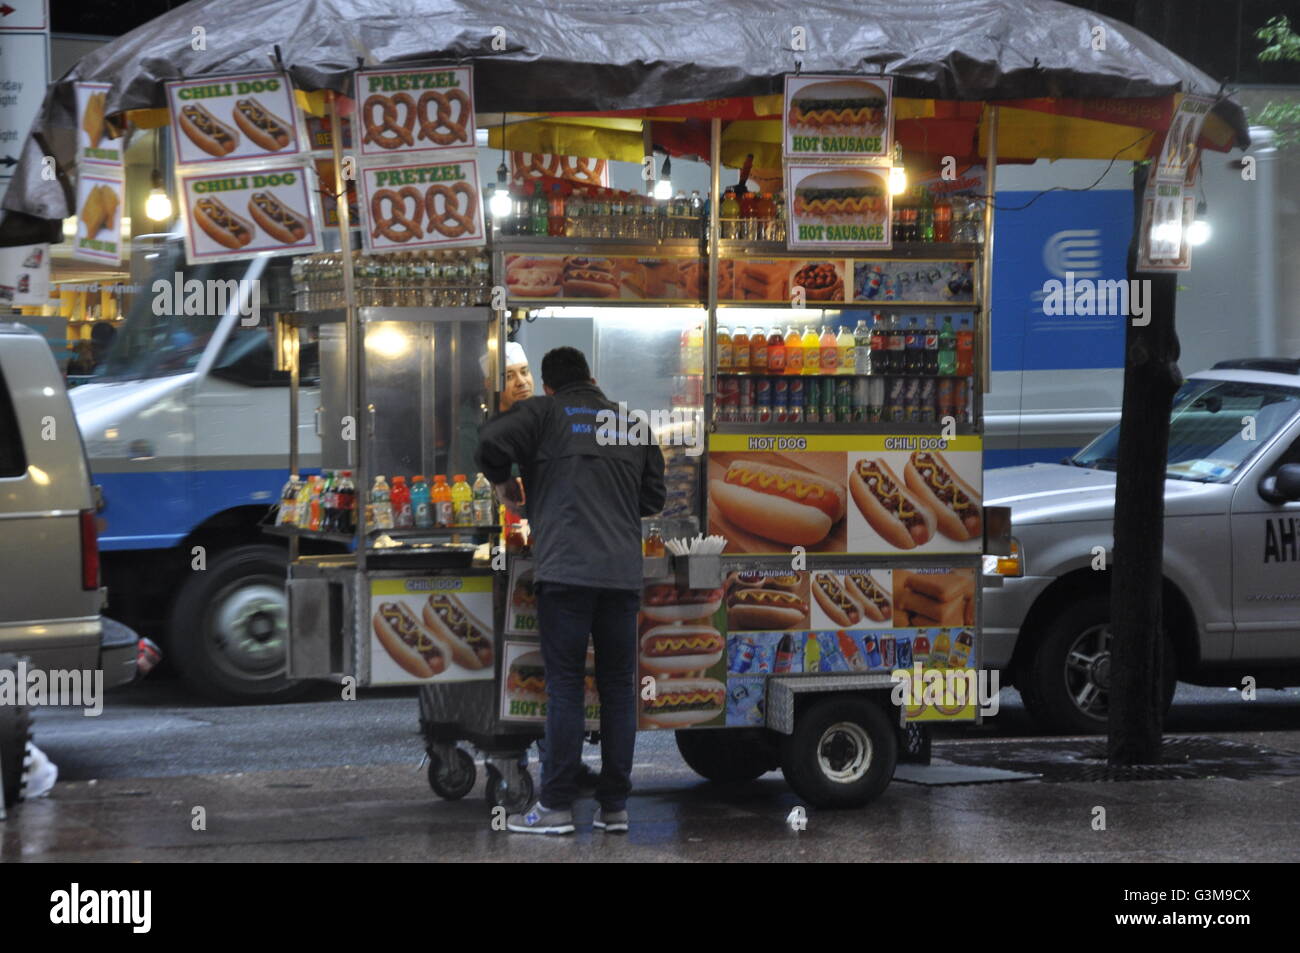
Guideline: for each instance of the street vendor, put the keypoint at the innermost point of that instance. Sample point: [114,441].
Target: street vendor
[586,498]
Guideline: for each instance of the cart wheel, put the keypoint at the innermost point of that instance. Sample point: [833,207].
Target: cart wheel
[725,756]
[499,793]
[453,781]
[842,752]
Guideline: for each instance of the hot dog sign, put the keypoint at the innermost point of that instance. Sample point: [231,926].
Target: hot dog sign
[426,205]
[414,110]
[243,214]
[225,118]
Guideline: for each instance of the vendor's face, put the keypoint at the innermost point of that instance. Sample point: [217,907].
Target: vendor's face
[519,385]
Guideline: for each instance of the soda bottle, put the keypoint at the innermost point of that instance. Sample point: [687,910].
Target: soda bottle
[965,349]
[830,352]
[381,502]
[795,398]
[943,220]
[287,515]
[931,361]
[441,503]
[748,216]
[346,497]
[744,656]
[843,398]
[793,351]
[780,399]
[316,508]
[784,655]
[541,211]
[740,352]
[878,361]
[763,399]
[897,350]
[697,213]
[724,351]
[876,399]
[523,211]
[862,344]
[921,650]
[758,352]
[776,352]
[947,358]
[403,518]
[421,503]
[811,343]
[846,345]
[555,216]
[925,218]
[462,502]
[960,653]
[914,348]
[329,480]
[827,387]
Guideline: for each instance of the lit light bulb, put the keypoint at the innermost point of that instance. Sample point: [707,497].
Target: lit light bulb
[897,180]
[663,190]
[500,203]
[1198,233]
[158,207]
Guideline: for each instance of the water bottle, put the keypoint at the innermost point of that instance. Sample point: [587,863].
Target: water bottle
[381,503]
[862,348]
[483,508]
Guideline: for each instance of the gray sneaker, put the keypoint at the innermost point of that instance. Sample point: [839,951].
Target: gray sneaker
[541,820]
[612,822]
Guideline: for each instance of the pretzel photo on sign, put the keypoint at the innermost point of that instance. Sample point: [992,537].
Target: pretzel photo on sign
[585,170]
[388,132]
[448,219]
[397,226]
[455,127]
[581,169]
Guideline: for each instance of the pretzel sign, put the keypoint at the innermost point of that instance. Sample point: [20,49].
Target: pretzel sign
[446,217]
[388,133]
[584,170]
[397,226]
[429,128]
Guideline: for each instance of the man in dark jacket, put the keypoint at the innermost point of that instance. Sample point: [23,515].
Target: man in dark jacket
[586,496]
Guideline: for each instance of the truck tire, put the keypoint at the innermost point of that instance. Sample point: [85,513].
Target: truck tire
[727,755]
[229,628]
[842,753]
[15,732]
[1066,683]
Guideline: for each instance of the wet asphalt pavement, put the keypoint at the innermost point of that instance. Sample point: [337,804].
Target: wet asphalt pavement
[328,780]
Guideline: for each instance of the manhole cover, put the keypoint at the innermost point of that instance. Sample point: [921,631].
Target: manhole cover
[1183,758]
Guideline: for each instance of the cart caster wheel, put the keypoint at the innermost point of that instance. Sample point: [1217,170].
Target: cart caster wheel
[452,781]
[842,752]
[499,793]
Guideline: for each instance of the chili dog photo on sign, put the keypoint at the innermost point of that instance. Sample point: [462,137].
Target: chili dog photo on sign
[922,501]
[225,118]
[431,628]
[232,215]
[426,205]
[414,110]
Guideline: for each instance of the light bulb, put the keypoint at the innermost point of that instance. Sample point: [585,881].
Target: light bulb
[1198,233]
[158,207]
[897,180]
[663,189]
[500,203]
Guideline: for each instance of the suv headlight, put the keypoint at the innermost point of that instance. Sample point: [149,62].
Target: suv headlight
[1013,565]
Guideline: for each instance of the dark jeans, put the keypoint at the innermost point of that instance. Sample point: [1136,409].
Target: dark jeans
[566,614]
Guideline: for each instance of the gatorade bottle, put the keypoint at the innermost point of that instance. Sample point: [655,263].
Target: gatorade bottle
[776,352]
[483,508]
[462,502]
[830,352]
[440,497]
[947,347]
[403,518]
[845,344]
[793,351]
[812,352]
[421,503]
[381,503]
[812,654]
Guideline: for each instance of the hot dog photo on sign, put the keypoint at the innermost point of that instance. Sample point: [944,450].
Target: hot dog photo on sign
[241,214]
[923,501]
[851,599]
[245,116]
[770,502]
[420,636]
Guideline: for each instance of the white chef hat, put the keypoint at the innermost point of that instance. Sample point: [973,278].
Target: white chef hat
[514,355]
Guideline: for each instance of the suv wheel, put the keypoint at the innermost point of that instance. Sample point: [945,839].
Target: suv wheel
[1066,684]
[230,625]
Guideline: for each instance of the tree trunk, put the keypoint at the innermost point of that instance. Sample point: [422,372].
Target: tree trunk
[1151,377]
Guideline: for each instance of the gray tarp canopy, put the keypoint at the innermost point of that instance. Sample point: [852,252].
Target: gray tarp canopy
[565,55]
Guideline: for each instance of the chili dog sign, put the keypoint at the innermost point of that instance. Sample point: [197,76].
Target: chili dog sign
[228,118]
[232,215]
[426,205]
[415,110]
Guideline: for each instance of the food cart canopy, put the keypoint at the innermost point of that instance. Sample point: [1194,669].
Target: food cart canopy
[577,55]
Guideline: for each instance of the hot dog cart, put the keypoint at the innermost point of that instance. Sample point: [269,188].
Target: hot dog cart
[781,651]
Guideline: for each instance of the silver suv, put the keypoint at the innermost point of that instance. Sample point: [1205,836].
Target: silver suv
[1231,553]
[50,594]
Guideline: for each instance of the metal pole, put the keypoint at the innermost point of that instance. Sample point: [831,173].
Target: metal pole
[355,335]
[986,265]
[711,325]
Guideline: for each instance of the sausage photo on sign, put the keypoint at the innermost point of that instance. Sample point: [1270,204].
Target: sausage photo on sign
[674,649]
[757,609]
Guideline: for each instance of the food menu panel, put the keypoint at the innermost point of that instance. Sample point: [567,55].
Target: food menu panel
[243,213]
[897,282]
[857,494]
[523,685]
[854,620]
[681,666]
[588,278]
[838,206]
[431,204]
[413,110]
[838,117]
[431,629]
[248,116]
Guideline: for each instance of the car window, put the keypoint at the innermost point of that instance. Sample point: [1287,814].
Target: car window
[1214,428]
[13,462]
[248,357]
